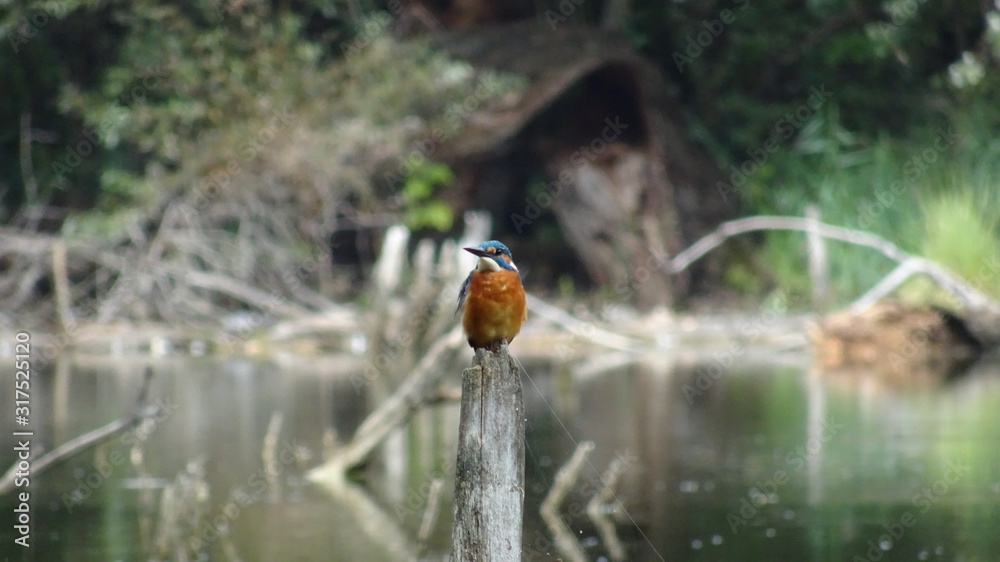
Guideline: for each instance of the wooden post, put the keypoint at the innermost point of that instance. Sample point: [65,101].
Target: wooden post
[818,268]
[489,473]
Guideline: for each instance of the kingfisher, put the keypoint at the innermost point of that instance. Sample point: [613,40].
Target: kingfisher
[492,299]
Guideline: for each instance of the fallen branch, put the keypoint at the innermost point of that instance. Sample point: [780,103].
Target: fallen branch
[372,519]
[565,541]
[244,246]
[430,514]
[604,499]
[87,440]
[887,285]
[583,329]
[238,290]
[394,411]
[981,314]
[726,230]
[269,452]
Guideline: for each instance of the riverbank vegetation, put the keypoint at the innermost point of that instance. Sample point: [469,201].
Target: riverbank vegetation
[173,164]
[934,193]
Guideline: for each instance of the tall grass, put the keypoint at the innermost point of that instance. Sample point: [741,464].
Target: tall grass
[935,194]
[962,233]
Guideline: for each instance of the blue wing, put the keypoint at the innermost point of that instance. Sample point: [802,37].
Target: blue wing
[463,291]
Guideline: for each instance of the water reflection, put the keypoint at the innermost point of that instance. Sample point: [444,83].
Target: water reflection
[748,459]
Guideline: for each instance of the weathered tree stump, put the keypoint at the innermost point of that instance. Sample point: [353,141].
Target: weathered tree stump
[489,474]
[623,178]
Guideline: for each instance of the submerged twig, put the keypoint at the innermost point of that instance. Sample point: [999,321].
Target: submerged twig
[394,410]
[430,513]
[603,500]
[89,439]
[565,542]
[270,450]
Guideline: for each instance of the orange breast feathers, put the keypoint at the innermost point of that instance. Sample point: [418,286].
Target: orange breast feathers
[494,307]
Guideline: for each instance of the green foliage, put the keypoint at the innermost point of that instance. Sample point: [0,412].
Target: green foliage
[741,277]
[178,92]
[422,209]
[120,87]
[134,100]
[933,195]
[882,60]
[107,225]
[962,233]
[566,288]
[185,72]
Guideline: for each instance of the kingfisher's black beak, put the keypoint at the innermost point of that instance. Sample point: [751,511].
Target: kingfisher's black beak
[477,252]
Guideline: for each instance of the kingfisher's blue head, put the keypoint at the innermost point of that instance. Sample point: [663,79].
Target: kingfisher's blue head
[493,256]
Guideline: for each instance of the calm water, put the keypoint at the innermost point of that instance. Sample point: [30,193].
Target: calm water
[761,461]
